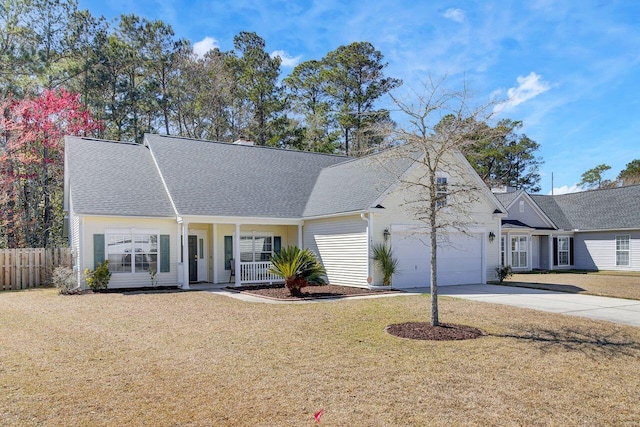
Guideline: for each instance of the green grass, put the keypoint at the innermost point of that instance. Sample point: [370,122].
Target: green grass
[196,358]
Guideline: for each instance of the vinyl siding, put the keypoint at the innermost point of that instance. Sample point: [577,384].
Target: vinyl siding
[74,238]
[597,251]
[341,244]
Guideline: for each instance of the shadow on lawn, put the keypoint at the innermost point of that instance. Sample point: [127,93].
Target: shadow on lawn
[587,342]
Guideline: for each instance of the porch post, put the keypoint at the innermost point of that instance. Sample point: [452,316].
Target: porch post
[550,244]
[236,253]
[300,236]
[185,255]
[215,254]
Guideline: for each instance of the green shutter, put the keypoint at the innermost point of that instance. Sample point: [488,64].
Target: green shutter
[228,251]
[165,253]
[98,249]
[277,244]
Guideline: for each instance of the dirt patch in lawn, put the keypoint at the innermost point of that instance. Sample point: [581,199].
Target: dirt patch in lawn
[443,332]
[310,292]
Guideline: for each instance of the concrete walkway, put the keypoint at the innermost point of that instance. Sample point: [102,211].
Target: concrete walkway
[617,310]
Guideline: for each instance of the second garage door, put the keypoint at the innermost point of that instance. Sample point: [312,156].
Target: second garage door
[459,261]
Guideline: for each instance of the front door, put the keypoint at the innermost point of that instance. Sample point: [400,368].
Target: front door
[193,258]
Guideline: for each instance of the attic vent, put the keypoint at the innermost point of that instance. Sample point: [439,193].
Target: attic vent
[242,141]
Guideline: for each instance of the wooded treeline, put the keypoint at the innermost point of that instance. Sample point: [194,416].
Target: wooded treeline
[136,76]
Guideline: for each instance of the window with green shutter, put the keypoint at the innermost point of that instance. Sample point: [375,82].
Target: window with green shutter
[165,253]
[98,249]
[228,251]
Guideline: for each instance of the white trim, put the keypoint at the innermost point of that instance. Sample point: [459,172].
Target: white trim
[81,257]
[98,215]
[300,242]
[185,254]
[527,247]
[568,251]
[607,230]
[334,215]
[215,253]
[236,253]
[628,251]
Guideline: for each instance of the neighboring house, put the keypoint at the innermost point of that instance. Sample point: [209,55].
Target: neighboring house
[194,209]
[590,230]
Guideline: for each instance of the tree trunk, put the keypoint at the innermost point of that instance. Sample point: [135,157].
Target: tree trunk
[434,259]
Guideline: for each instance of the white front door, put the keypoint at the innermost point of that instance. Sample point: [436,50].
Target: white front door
[202,256]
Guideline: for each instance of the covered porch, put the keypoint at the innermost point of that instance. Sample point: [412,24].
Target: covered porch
[232,251]
[526,248]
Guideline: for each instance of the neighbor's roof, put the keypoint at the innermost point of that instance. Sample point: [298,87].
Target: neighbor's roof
[605,209]
[357,184]
[114,178]
[222,179]
[507,198]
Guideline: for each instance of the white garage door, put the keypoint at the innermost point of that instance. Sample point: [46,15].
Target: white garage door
[459,261]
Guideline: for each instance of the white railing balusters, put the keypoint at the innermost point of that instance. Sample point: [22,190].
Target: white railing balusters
[257,272]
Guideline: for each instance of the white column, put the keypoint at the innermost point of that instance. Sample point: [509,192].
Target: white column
[236,253]
[215,253]
[185,257]
[300,236]
[550,251]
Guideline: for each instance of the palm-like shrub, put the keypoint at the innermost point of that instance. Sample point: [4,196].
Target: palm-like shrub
[382,254]
[298,268]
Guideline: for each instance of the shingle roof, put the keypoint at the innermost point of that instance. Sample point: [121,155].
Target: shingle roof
[507,198]
[605,209]
[221,179]
[114,178]
[514,223]
[356,184]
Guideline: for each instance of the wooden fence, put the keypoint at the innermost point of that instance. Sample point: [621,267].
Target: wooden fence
[30,268]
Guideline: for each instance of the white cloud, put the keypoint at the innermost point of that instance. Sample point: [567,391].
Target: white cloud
[528,87]
[565,189]
[204,46]
[287,60]
[457,15]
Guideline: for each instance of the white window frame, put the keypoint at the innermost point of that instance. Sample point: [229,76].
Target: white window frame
[254,236]
[522,246]
[564,252]
[132,233]
[623,238]
[442,191]
[503,251]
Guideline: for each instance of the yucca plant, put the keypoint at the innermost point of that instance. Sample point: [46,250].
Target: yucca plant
[298,268]
[383,255]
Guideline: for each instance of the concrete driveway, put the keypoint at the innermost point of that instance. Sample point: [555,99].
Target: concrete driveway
[601,308]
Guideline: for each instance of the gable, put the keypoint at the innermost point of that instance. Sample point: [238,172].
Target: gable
[524,210]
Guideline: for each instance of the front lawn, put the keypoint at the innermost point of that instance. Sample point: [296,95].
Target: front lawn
[195,358]
[603,283]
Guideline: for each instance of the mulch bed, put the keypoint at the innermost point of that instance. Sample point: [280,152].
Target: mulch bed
[443,332]
[310,292]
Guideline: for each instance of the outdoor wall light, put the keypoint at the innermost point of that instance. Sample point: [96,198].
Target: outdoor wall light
[492,236]
[386,234]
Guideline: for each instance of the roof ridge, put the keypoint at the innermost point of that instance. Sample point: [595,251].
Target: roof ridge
[111,141]
[248,146]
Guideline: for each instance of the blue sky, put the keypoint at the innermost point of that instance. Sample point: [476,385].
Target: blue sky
[569,69]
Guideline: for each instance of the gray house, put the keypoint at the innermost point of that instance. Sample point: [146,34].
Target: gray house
[590,230]
[198,211]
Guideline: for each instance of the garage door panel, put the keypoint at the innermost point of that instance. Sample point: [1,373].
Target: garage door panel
[459,260]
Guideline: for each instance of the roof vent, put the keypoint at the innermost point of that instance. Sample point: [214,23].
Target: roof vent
[242,141]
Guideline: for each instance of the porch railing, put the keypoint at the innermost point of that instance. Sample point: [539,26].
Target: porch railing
[257,272]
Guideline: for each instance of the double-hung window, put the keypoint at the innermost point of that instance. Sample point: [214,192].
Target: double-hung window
[563,250]
[503,253]
[519,251]
[256,247]
[132,253]
[623,247]
[441,191]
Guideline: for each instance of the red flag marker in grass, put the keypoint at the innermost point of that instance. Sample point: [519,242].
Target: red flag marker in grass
[318,414]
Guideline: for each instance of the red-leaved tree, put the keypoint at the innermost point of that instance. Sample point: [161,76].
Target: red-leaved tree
[32,165]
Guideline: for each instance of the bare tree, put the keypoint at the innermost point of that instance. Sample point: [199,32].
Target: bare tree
[441,190]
